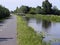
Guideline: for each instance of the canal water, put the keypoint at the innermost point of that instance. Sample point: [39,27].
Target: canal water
[50,29]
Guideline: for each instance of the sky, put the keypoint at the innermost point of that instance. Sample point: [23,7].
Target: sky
[12,4]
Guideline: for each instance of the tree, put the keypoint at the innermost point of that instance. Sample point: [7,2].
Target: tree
[32,10]
[46,7]
[24,9]
[55,10]
[17,10]
[11,12]
[38,10]
[4,12]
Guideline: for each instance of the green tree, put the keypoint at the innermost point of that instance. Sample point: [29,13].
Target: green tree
[32,10]
[17,10]
[38,9]
[24,9]
[4,12]
[46,7]
[56,11]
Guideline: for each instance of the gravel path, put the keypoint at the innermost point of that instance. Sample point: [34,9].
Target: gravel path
[8,31]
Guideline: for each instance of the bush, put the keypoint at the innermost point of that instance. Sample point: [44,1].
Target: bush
[4,12]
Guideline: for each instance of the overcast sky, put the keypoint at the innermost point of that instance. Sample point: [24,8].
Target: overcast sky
[12,4]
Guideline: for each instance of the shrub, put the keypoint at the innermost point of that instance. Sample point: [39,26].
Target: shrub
[4,12]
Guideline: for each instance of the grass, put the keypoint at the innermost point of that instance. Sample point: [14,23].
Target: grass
[53,18]
[26,35]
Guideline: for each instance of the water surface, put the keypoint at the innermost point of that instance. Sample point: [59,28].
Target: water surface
[50,29]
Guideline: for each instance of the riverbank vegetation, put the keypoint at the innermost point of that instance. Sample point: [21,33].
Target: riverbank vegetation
[26,35]
[53,18]
[4,12]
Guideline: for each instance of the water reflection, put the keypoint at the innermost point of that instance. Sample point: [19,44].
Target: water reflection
[50,29]
[38,24]
[46,24]
[38,21]
[27,18]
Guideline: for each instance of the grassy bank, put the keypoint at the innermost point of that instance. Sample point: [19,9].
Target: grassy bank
[54,18]
[26,35]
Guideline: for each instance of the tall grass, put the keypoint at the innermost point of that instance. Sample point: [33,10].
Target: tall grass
[26,35]
[53,18]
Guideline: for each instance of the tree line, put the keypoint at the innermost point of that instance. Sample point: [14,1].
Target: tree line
[4,12]
[46,8]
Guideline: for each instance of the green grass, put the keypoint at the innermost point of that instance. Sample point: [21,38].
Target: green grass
[53,18]
[26,35]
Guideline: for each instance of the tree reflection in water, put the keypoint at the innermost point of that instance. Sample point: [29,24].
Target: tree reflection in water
[46,24]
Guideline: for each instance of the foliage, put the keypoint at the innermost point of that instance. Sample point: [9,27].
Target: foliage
[46,7]
[17,10]
[38,10]
[22,9]
[53,18]
[55,11]
[32,10]
[26,35]
[4,12]
[11,12]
